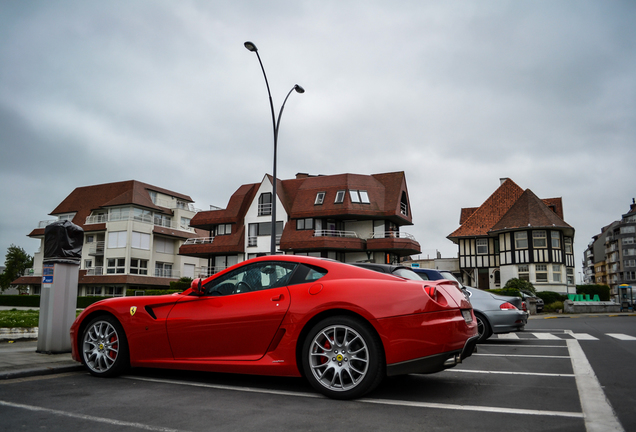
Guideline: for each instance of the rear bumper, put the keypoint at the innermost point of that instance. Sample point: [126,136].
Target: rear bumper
[433,363]
[507,321]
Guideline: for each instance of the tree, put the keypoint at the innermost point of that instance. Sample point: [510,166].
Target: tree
[520,284]
[16,262]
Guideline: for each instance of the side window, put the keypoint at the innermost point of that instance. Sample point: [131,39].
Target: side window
[254,277]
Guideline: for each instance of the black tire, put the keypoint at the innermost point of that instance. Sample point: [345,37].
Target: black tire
[104,347]
[343,358]
[483,328]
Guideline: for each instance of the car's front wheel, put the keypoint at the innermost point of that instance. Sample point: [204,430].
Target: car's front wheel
[343,358]
[104,347]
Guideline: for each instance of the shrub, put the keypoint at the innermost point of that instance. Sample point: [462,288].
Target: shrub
[603,291]
[511,292]
[520,284]
[551,297]
[181,285]
[553,307]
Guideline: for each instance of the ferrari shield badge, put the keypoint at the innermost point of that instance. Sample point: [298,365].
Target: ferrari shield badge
[133,309]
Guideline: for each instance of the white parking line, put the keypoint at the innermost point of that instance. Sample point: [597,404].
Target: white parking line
[546,336]
[509,373]
[373,401]
[508,336]
[583,336]
[88,417]
[621,336]
[599,415]
[520,355]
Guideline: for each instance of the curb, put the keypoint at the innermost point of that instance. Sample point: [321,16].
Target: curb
[583,315]
[15,333]
[48,370]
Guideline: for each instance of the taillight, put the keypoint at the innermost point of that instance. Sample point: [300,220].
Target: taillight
[431,291]
[523,306]
[507,305]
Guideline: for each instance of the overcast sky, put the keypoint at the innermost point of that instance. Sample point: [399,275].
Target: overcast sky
[456,94]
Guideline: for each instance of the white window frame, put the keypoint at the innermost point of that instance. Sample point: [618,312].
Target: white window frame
[480,244]
[320,198]
[118,266]
[568,245]
[539,239]
[339,197]
[523,270]
[117,239]
[521,237]
[138,266]
[140,240]
[541,269]
[556,273]
[355,197]
[161,243]
[555,239]
[364,197]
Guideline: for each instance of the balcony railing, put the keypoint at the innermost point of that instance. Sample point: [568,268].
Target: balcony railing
[94,271]
[199,240]
[96,248]
[265,209]
[32,272]
[44,223]
[404,209]
[165,273]
[335,233]
[144,219]
[252,241]
[175,204]
[391,234]
[203,272]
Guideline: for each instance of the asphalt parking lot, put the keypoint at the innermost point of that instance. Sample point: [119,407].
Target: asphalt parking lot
[537,380]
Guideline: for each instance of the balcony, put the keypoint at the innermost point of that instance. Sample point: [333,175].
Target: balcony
[96,248]
[318,240]
[98,219]
[45,223]
[205,247]
[399,243]
[265,209]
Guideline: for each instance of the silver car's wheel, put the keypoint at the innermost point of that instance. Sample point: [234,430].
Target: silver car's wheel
[343,358]
[483,328]
[104,347]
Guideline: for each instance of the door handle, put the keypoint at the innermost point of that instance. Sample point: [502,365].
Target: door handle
[279,297]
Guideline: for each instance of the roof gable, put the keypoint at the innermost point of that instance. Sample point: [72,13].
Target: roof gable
[529,211]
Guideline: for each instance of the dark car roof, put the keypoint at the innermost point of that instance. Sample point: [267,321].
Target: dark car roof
[430,274]
[397,270]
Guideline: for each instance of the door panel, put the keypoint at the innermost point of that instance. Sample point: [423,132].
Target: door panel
[232,327]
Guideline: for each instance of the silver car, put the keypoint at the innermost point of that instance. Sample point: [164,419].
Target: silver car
[495,314]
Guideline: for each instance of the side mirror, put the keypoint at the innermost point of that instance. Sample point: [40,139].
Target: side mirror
[196,286]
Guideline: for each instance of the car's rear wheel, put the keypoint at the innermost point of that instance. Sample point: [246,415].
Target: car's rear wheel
[343,358]
[483,328]
[104,347]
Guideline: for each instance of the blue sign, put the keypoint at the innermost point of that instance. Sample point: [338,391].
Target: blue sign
[47,273]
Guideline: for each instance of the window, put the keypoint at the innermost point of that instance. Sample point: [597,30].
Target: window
[153,196]
[630,275]
[339,197]
[116,266]
[142,215]
[163,269]
[138,266]
[628,240]
[539,239]
[304,224]
[114,291]
[355,197]
[630,251]
[265,204]
[224,229]
[364,197]
[521,240]
[404,205]
[482,246]
[630,263]
[140,241]
[556,273]
[91,239]
[185,223]
[265,229]
[320,198]
[163,220]
[628,229]
[88,264]
[163,245]
[117,239]
[568,245]
[67,216]
[524,272]
[556,239]
[541,272]
[93,291]
[570,273]
[117,214]
[254,277]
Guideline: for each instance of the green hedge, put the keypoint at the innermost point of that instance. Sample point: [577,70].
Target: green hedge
[20,300]
[510,292]
[603,291]
[550,297]
[82,302]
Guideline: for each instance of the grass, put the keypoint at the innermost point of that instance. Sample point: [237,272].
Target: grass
[21,318]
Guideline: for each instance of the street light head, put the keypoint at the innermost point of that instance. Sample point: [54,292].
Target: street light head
[250,46]
[299,89]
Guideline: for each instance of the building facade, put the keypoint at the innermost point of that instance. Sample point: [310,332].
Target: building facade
[515,234]
[346,217]
[610,258]
[132,235]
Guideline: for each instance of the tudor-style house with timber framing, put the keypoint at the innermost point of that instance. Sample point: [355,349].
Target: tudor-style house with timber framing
[346,217]
[515,234]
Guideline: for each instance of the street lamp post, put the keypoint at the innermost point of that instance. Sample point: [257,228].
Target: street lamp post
[275,124]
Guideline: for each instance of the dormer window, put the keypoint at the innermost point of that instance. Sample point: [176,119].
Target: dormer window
[355,197]
[339,197]
[320,198]
[364,197]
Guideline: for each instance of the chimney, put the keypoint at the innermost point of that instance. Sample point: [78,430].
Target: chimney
[301,175]
[502,180]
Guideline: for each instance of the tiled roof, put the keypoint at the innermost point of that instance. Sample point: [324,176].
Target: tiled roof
[235,211]
[510,207]
[83,200]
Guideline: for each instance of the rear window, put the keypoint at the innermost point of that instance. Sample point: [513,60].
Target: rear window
[406,274]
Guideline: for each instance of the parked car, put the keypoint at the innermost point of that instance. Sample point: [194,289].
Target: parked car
[396,270]
[342,327]
[494,313]
[539,301]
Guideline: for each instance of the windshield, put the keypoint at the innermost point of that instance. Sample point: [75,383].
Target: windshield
[407,274]
[448,275]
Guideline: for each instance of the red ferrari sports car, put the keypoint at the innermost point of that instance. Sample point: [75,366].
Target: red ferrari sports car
[343,328]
